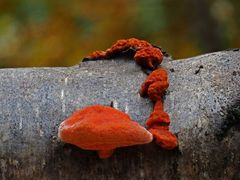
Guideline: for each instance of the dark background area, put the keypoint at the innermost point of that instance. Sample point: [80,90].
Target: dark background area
[62,32]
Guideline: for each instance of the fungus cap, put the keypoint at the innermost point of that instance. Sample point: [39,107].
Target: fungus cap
[100,127]
[158,117]
[155,84]
[164,137]
[149,57]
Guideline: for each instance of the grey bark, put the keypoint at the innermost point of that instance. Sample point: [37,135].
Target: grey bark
[203,101]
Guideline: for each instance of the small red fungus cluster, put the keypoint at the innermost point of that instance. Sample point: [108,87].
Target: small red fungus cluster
[104,128]
[158,123]
[146,55]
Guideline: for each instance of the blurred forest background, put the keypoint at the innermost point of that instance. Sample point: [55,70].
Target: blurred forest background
[62,32]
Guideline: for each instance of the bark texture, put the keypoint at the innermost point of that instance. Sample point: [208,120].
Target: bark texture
[203,101]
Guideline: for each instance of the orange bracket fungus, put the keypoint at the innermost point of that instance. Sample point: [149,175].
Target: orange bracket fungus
[158,123]
[104,128]
[146,55]
[155,85]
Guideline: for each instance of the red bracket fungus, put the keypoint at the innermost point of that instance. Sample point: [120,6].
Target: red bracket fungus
[145,54]
[103,129]
[148,57]
[155,85]
[158,125]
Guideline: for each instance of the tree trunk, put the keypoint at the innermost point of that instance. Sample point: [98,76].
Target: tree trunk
[203,101]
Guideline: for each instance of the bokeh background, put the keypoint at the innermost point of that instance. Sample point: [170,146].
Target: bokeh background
[62,32]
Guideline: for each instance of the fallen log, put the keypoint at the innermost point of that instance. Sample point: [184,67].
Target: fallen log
[203,101]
